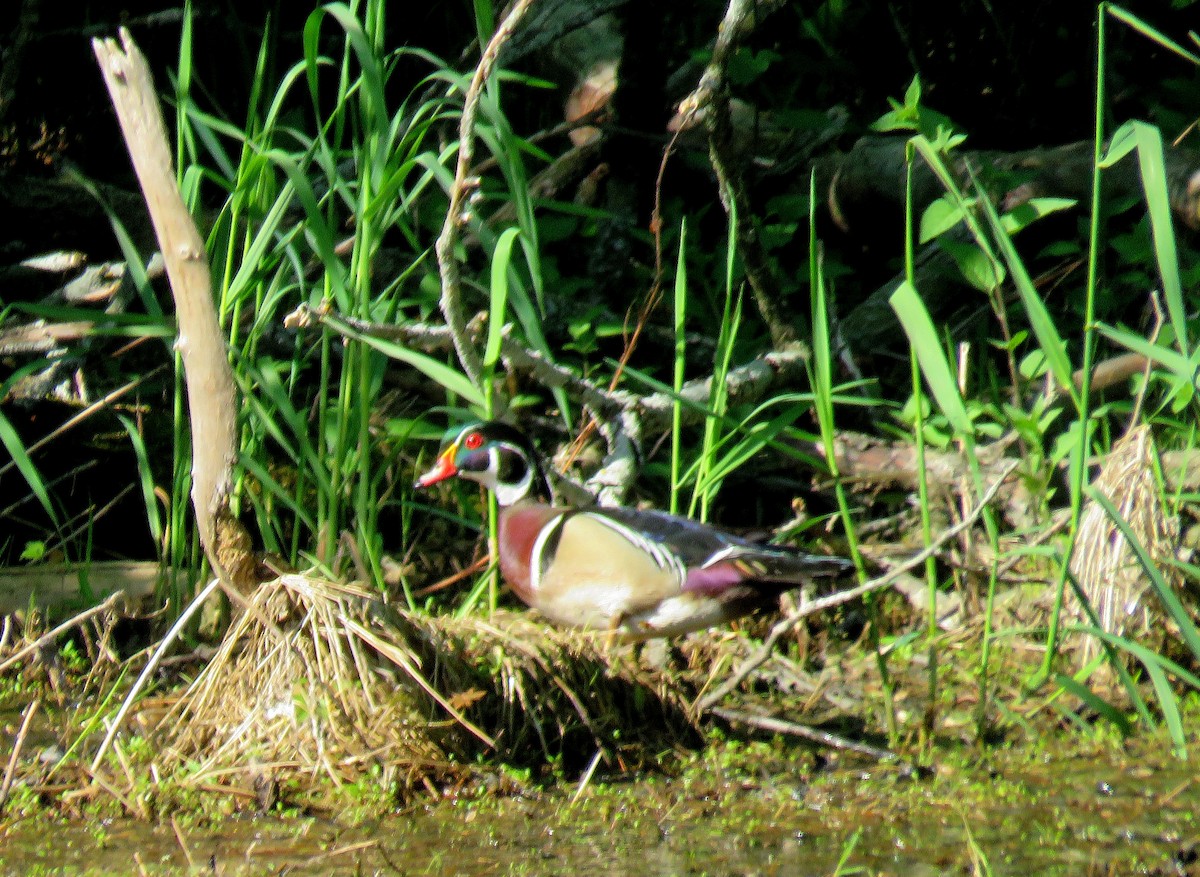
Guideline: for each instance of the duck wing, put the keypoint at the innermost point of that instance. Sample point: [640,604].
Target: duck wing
[716,560]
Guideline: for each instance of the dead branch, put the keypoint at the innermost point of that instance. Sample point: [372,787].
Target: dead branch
[456,215]
[710,101]
[870,178]
[623,417]
[212,396]
[775,725]
[14,757]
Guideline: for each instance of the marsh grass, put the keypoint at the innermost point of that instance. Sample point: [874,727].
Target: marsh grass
[279,241]
[325,174]
[1088,533]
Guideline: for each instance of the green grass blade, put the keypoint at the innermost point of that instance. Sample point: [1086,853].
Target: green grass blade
[1168,702]
[677,374]
[1148,656]
[16,449]
[372,90]
[1147,141]
[145,478]
[1150,33]
[1157,667]
[498,307]
[1095,703]
[446,377]
[295,441]
[1051,343]
[1181,367]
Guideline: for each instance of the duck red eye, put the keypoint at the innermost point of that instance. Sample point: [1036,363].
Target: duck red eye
[473,441]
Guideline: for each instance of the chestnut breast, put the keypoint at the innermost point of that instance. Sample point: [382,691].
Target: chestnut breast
[588,573]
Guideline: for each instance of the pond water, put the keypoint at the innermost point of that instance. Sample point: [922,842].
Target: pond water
[1115,813]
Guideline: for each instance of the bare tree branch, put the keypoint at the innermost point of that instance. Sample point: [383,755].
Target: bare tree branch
[710,102]
[212,395]
[452,308]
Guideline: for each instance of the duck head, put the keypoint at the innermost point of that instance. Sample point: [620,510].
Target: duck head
[494,454]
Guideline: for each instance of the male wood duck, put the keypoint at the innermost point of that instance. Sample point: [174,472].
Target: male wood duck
[642,574]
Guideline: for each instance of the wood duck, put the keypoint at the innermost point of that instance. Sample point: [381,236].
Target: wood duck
[642,574]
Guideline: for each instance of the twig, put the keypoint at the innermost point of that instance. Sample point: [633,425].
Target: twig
[782,726]
[187,853]
[348,848]
[85,413]
[150,667]
[11,770]
[782,627]
[605,403]
[452,310]
[710,101]
[109,603]
[587,776]
[480,564]
[89,518]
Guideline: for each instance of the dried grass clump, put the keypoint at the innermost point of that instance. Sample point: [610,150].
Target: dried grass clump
[544,692]
[1104,564]
[321,679]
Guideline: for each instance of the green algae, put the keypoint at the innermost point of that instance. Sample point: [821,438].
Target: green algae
[756,807]
[1053,797]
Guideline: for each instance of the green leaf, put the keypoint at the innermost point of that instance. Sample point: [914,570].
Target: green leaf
[1151,33]
[1147,140]
[1032,210]
[501,265]
[1168,702]
[1094,702]
[934,367]
[939,217]
[1152,166]
[1182,368]
[1043,326]
[977,267]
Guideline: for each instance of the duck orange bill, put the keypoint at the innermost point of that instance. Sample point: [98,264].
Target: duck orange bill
[442,469]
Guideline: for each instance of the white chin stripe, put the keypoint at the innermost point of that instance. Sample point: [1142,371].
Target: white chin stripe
[507,494]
